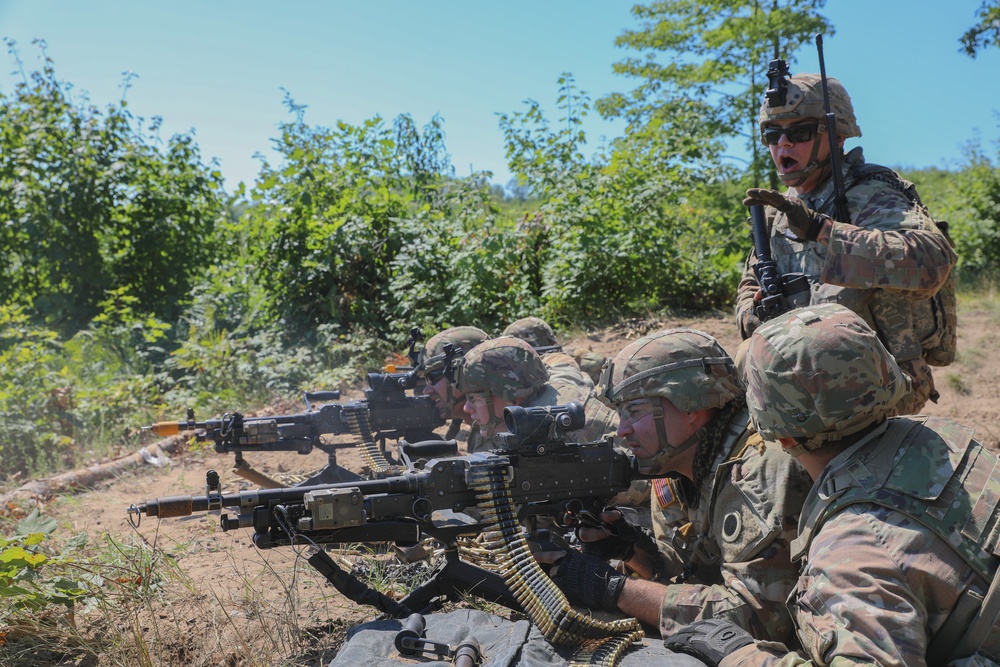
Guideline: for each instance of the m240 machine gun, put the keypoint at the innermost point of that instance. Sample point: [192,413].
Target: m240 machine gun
[386,413]
[535,473]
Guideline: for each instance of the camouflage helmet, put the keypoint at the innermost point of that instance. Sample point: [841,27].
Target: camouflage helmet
[534,330]
[432,357]
[687,367]
[507,367]
[804,99]
[819,374]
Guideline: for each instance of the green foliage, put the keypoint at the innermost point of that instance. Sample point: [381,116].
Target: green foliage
[323,230]
[969,199]
[711,51]
[88,204]
[32,579]
[986,32]
[35,395]
[462,263]
[57,397]
[611,224]
[977,232]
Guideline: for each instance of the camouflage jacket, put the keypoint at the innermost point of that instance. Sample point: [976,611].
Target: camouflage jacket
[884,264]
[739,535]
[899,536]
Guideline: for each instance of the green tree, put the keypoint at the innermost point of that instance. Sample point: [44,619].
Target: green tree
[89,204]
[986,32]
[610,223]
[701,65]
[324,227]
[976,226]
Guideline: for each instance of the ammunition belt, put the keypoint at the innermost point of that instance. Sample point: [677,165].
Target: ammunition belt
[600,642]
[357,420]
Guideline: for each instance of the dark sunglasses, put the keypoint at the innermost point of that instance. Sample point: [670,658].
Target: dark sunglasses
[434,376]
[796,134]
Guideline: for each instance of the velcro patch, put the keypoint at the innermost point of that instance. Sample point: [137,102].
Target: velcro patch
[666,495]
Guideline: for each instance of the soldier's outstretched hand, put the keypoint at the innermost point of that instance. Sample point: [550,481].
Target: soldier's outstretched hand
[584,580]
[803,222]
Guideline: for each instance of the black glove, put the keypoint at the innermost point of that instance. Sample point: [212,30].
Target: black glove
[804,222]
[589,581]
[622,542]
[709,640]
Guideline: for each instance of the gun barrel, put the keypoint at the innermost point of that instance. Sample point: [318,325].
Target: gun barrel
[177,506]
[761,239]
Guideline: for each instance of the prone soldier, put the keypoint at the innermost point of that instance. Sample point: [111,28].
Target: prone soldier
[507,371]
[898,536]
[682,410]
[537,333]
[431,367]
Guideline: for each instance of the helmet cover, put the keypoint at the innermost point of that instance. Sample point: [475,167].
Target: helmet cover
[507,367]
[819,373]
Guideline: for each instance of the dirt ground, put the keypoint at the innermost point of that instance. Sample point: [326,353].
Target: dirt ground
[194,595]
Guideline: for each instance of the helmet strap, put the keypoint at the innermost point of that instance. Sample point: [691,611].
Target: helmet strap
[491,426]
[655,463]
[453,397]
[795,178]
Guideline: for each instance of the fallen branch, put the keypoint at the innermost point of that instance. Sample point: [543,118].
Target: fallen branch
[83,478]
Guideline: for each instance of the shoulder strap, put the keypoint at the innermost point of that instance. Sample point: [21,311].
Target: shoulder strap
[876,172]
[828,497]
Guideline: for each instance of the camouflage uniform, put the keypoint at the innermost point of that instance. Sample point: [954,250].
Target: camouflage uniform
[537,333]
[731,534]
[508,367]
[884,264]
[899,533]
[738,536]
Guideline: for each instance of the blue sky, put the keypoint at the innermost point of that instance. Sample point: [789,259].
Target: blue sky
[218,67]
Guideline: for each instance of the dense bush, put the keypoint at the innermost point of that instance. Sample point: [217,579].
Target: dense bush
[969,200]
[90,203]
[639,226]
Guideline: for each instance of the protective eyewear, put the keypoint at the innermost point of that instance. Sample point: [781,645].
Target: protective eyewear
[433,376]
[796,134]
[633,411]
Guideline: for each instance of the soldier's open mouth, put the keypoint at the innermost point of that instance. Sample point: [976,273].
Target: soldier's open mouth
[788,163]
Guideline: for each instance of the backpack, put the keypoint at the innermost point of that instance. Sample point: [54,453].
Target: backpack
[941,347]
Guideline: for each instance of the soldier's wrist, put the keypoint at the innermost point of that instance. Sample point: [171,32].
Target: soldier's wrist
[825,231]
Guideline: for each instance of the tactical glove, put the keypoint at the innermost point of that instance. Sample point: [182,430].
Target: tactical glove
[748,320]
[804,222]
[589,581]
[710,640]
[623,540]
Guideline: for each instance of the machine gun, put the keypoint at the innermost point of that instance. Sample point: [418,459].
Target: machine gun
[535,472]
[385,413]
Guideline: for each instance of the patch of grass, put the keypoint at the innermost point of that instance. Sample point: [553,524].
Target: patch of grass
[958,384]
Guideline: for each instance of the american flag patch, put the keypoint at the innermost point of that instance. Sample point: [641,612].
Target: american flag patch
[664,491]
